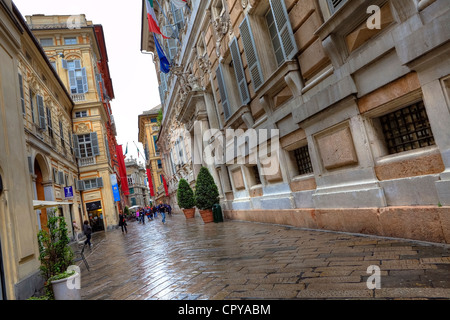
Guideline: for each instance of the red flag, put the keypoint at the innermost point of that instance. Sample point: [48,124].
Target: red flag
[122,171]
[165,186]
[150,182]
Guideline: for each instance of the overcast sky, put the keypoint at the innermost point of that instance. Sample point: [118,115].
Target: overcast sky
[132,73]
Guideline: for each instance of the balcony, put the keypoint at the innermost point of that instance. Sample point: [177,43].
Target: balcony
[84,162]
[78,97]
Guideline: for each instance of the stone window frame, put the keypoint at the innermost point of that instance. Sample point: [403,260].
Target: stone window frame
[380,153]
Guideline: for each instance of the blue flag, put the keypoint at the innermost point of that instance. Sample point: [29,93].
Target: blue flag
[164,62]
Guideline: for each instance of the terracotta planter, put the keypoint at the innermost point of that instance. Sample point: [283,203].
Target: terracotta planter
[207,215]
[189,213]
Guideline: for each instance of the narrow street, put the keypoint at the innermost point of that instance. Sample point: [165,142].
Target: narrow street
[188,260]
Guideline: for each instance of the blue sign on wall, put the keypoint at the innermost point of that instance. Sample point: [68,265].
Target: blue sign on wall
[68,192]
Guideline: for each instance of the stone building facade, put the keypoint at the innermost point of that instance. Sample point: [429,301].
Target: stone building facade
[356,95]
[137,177]
[76,48]
[148,135]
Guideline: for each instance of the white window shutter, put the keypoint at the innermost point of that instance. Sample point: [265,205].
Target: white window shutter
[77,64]
[223,92]
[239,72]
[64,64]
[251,53]
[284,28]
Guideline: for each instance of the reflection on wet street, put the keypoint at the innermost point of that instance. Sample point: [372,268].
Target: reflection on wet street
[187,259]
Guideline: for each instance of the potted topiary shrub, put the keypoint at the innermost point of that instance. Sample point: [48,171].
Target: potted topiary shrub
[186,200]
[56,257]
[206,194]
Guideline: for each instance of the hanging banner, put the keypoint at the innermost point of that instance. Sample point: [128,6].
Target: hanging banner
[115,187]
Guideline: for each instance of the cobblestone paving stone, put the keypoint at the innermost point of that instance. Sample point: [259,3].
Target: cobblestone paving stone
[190,260]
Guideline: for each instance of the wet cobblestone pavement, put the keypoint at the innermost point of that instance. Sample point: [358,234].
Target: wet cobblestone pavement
[188,260]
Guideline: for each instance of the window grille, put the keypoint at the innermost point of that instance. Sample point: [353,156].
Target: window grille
[303,160]
[407,129]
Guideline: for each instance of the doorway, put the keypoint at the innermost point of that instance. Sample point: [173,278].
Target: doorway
[40,194]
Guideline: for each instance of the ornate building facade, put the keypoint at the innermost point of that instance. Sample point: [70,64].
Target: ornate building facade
[355,96]
[137,183]
[77,51]
[148,135]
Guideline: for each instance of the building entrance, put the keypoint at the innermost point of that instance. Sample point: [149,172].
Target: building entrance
[95,214]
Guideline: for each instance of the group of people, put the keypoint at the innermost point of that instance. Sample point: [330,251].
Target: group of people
[149,212]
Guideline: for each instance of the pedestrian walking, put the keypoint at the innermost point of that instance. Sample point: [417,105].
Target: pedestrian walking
[169,209]
[123,223]
[88,233]
[162,209]
[142,216]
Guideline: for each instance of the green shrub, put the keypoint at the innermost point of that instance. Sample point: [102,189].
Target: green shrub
[206,191]
[55,253]
[185,195]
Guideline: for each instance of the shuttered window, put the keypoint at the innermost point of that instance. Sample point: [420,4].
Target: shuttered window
[239,72]
[86,145]
[91,184]
[61,134]
[334,5]
[49,123]
[78,81]
[171,44]
[251,53]
[223,92]
[41,112]
[22,97]
[178,17]
[32,106]
[280,31]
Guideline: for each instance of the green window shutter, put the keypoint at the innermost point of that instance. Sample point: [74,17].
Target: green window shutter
[94,142]
[284,28]
[76,146]
[251,53]
[41,111]
[223,92]
[22,97]
[239,72]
